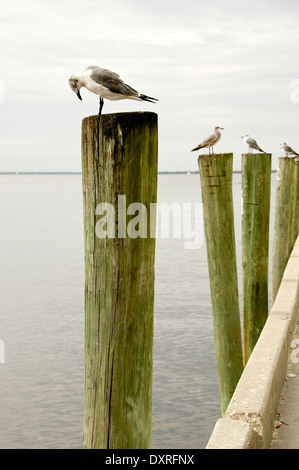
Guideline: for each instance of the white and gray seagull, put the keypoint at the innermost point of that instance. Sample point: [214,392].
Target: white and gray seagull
[252,144]
[288,150]
[106,84]
[210,141]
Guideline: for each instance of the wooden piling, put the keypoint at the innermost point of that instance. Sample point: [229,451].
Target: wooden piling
[256,190]
[217,196]
[292,202]
[283,223]
[119,279]
[296,201]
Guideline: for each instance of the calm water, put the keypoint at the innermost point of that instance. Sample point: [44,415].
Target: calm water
[42,318]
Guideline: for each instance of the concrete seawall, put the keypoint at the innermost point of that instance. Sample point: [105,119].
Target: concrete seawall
[249,418]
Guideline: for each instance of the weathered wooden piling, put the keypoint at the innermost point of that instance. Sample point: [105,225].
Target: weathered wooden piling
[217,196]
[284,220]
[292,202]
[256,190]
[296,201]
[119,169]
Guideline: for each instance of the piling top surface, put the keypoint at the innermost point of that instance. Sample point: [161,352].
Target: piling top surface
[211,155]
[129,119]
[258,153]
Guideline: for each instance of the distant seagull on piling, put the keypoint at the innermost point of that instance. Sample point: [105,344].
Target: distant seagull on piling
[288,150]
[209,142]
[252,144]
[106,84]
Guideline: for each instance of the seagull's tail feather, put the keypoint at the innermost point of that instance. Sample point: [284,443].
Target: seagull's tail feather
[197,148]
[262,150]
[147,98]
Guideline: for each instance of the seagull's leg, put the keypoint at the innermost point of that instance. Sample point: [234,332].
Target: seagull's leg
[101,107]
[99,118]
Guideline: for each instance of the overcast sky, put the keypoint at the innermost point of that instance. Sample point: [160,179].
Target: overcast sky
[228,63]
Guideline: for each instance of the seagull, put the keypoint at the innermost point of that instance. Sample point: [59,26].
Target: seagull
[252,144]
[288,150]
[210,141]
[106,84]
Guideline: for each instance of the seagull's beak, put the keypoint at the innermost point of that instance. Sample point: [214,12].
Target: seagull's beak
[79,96]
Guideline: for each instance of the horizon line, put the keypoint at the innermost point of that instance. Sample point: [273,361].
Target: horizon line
[165,172]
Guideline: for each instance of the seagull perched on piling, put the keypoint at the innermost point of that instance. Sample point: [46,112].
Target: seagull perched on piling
[252,144]
[209,142]
[106,84]
[288,150]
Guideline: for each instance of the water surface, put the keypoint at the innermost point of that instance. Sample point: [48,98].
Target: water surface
[42,318]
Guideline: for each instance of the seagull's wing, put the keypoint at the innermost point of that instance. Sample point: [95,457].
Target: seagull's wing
[111,81]
[252,143]
[289,150]
[99,70]
[208,142]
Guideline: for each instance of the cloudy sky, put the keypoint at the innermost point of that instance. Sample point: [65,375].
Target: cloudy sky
[229,63]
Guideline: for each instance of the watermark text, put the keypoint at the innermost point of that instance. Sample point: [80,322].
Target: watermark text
[295,352]
[295,91]
[184,221]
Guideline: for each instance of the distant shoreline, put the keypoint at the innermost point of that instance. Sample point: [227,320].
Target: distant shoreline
[79,173]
